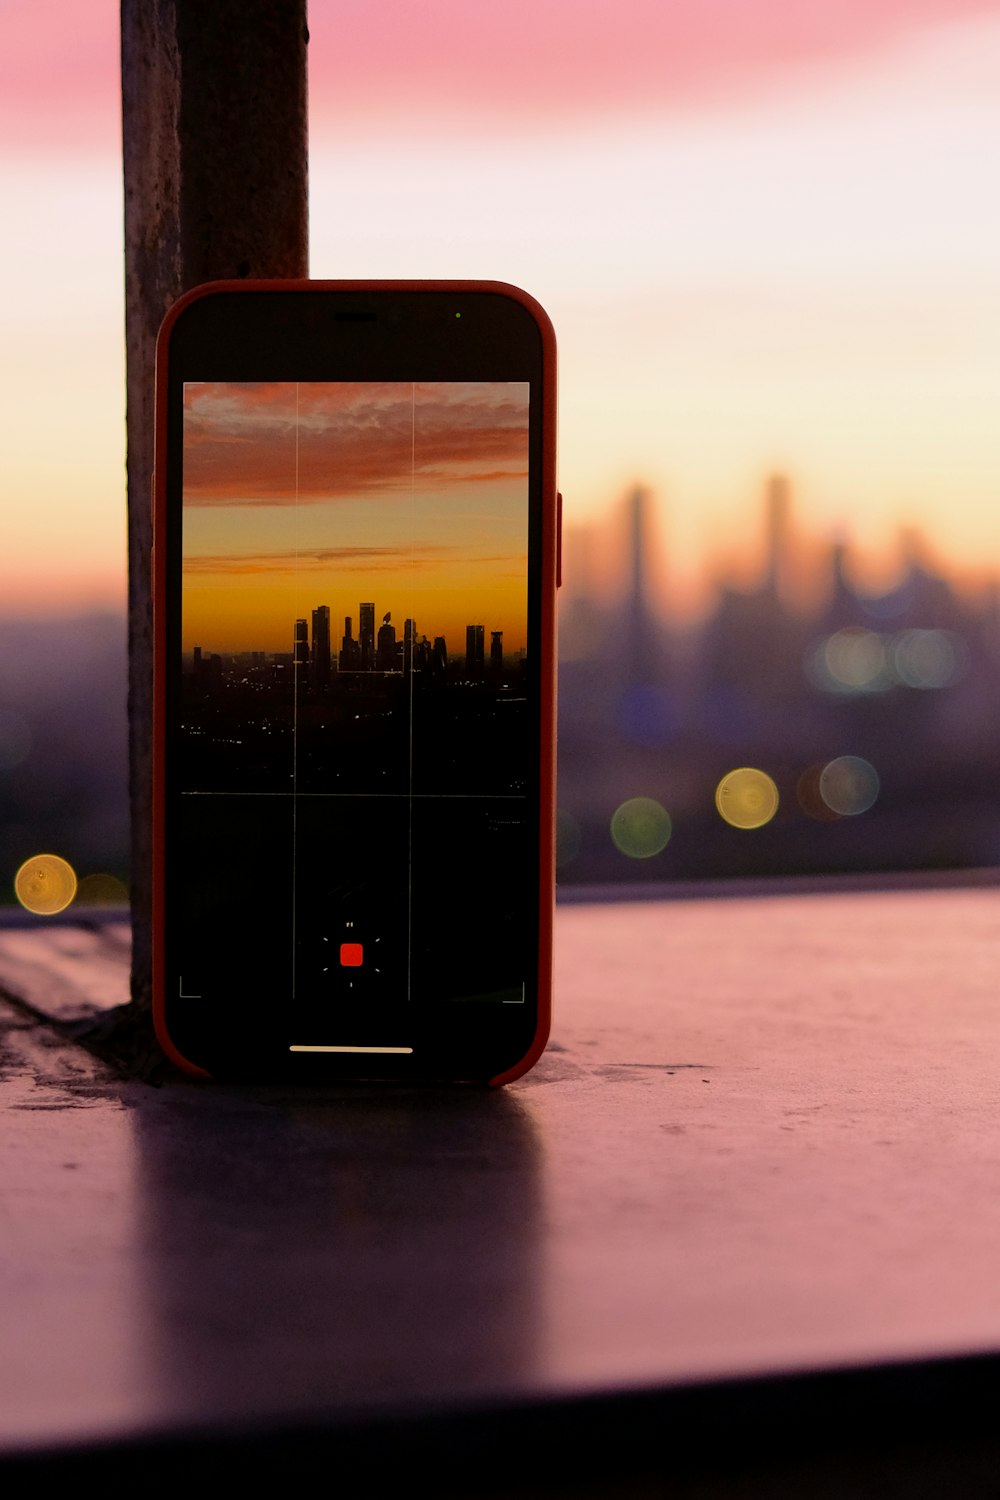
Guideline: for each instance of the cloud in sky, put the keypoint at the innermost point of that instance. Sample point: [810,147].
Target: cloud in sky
[279,444]
[313,559]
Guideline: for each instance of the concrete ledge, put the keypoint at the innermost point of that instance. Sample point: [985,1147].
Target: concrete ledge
[738,1226]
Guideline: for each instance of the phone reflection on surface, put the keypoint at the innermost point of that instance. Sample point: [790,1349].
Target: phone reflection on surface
[368,1248]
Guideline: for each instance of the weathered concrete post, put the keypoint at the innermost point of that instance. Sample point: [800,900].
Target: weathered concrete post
[214,128]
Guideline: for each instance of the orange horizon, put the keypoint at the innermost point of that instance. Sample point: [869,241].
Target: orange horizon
[210,627]
[296,496]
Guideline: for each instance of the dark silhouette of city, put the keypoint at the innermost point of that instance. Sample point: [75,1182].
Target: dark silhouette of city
[378,793]
[383,713]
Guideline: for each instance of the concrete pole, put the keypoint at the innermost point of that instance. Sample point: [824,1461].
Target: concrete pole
[214,135]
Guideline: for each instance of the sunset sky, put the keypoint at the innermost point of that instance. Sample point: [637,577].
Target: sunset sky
[767,234]
[411,496]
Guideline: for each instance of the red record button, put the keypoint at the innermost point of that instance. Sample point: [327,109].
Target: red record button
[351,955]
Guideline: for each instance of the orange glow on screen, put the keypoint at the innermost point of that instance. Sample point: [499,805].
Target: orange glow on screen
[411,497]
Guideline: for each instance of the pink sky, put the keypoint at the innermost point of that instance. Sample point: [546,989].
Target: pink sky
[521,61]
[552,62]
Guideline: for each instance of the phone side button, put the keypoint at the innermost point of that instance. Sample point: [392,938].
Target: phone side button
[558,539]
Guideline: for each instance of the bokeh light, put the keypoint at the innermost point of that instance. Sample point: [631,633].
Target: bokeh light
[569,837]
[746,798]
[858,660]
[45,884]
[810,799]
[641,827]
[101,890]
[928,658]
[852,660]
[849,785]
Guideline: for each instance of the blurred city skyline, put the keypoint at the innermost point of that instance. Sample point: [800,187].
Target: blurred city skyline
[860,725]
[778,732]
[777,541]
[767,238]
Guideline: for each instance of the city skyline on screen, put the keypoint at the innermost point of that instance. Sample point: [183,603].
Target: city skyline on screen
[410,497]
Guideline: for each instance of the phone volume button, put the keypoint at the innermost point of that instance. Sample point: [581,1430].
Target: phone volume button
[559,508]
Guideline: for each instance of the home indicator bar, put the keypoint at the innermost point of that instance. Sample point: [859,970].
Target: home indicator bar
[349,1049]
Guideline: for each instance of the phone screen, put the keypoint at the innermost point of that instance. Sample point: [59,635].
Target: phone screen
[353,734]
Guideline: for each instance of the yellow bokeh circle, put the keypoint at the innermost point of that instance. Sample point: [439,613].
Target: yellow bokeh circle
[45,884]
[641,827]
[746,798]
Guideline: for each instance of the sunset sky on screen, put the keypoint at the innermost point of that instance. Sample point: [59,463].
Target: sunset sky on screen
[766,232]
[413,497]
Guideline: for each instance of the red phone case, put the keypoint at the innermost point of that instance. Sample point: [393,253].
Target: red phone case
[550,548]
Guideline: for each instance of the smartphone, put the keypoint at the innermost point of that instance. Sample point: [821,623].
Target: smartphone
[356,538]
